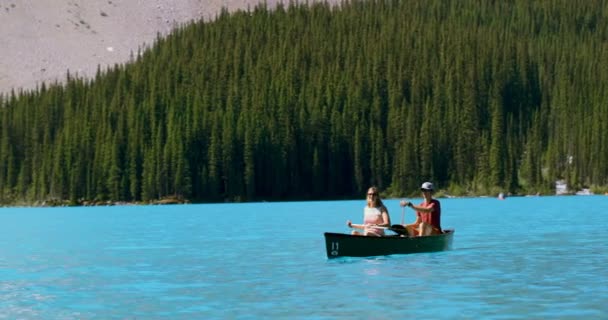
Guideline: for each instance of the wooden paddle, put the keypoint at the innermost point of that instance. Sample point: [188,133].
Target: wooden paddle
[397,228]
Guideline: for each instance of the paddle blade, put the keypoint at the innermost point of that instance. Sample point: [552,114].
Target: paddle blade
[399,229]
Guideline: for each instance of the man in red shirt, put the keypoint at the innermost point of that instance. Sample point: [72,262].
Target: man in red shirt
[428,214]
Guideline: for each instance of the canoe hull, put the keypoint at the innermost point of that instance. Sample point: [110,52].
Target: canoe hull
[346,245]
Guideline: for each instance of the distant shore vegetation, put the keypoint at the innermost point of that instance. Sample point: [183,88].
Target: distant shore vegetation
[313,102]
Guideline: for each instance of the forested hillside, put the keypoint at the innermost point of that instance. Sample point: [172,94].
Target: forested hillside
[320,102]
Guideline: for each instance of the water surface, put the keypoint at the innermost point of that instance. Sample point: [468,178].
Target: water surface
[519,258]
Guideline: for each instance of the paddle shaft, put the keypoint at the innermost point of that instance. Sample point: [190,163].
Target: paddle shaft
[363,226]
[396,230]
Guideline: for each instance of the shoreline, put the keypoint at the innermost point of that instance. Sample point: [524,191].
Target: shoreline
[179,201]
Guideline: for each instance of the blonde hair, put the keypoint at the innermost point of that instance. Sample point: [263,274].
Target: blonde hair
[376,201]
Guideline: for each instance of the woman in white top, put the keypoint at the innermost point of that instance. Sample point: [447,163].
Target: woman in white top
[374,214]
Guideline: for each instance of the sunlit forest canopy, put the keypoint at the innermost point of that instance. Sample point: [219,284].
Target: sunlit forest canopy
[320,102]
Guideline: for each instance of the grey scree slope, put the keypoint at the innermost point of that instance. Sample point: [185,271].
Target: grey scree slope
[40,40]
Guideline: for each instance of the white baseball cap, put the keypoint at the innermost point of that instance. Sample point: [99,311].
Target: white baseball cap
[427,186]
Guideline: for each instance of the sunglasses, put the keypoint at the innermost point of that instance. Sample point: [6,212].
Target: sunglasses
[372,194]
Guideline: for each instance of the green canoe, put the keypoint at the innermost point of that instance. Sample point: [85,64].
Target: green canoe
[346,245]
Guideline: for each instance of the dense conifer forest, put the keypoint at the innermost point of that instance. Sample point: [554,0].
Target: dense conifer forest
[321,102]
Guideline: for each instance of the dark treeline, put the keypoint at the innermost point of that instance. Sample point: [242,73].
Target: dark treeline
[319,102]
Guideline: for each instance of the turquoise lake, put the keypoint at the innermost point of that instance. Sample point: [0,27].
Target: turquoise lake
[519,258]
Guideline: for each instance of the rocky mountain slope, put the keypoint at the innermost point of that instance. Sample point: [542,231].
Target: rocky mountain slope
[40,40]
